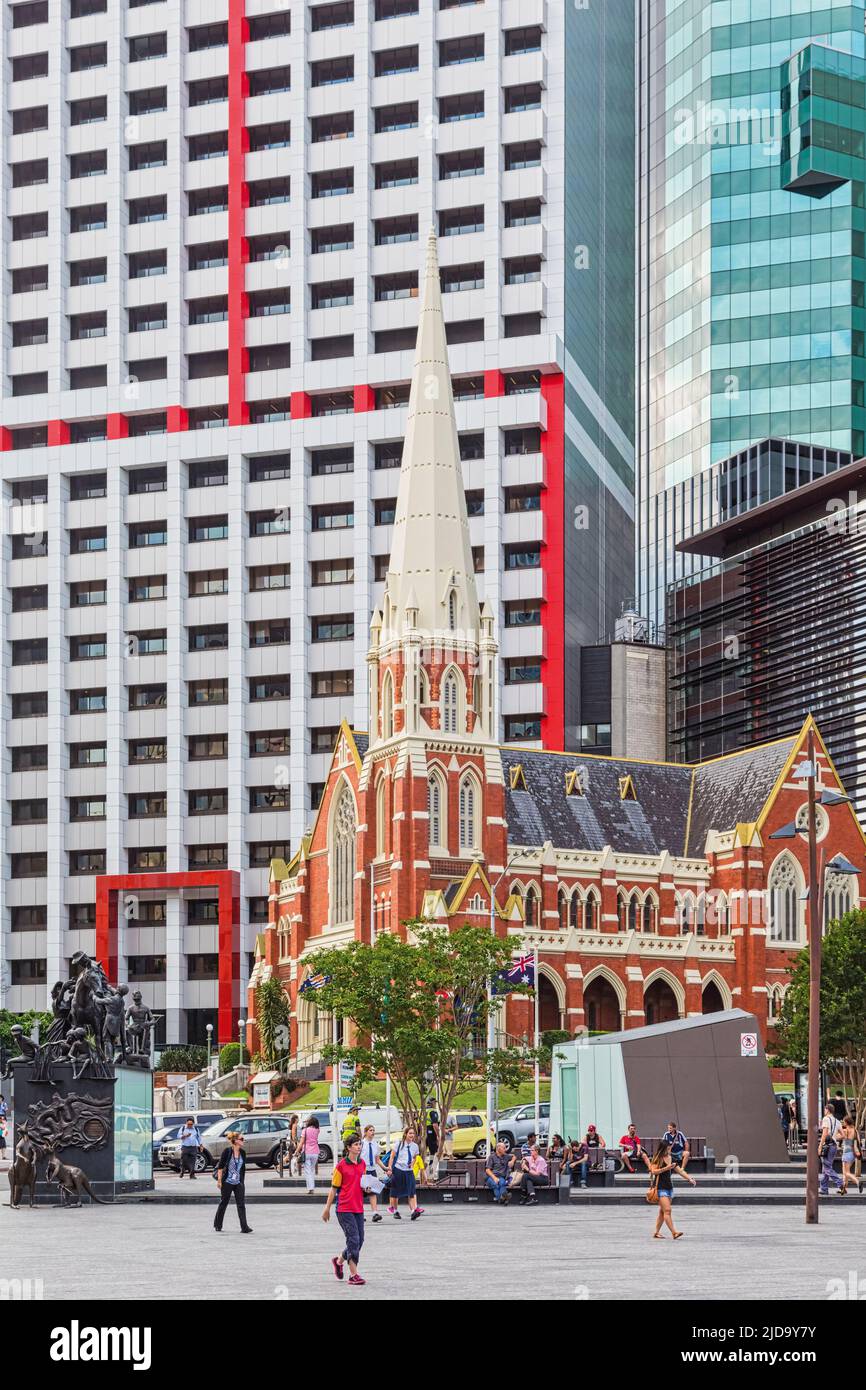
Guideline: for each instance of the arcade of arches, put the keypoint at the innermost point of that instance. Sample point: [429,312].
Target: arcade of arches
[602,1007]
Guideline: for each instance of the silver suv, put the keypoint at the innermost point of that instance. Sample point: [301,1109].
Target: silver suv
[261,1136]
[516,1125]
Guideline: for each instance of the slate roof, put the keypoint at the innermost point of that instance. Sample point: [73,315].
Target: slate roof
[735,789]
[362,742]
[655,821]
[673,800]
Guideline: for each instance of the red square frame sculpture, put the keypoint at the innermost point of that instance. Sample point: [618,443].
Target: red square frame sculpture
[227,882]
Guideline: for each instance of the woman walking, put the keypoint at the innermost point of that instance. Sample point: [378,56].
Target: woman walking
[230,1173]
[372,1161]
[308,1144]
[402,1176]
[346,1187]
[662,1169]
[850,1153]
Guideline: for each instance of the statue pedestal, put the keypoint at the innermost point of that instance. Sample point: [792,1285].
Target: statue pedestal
[102,1125]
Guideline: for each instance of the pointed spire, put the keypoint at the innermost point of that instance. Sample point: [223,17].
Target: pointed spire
[431,558]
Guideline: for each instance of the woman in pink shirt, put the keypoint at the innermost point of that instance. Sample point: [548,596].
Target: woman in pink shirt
[309,1147]
[534,1175]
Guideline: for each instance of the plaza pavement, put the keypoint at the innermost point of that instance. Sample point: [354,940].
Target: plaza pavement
[140,1251]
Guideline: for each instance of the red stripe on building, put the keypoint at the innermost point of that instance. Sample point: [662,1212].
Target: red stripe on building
[109,888]
[238,249]
[553,562]
[57,433]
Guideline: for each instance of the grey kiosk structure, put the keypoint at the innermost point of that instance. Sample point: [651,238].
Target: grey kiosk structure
[709,1073]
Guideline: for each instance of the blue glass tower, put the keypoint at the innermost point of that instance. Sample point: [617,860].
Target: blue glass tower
[750,256]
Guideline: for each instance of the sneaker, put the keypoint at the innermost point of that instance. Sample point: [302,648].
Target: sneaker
[533,1202]
[396,1215]
[246,1230]
[419,1211]
[337,1265]
[355,1279]
[376,1218]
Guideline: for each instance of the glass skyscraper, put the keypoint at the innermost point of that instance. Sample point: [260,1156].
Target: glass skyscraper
[750,255]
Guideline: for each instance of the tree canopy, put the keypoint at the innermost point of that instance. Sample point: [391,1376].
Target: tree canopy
[419,1011]
[843,1008]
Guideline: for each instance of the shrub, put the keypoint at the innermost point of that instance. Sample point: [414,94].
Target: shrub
[189,1057]
[230,1055]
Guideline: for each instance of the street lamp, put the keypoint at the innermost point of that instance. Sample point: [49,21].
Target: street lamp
[209,1030]
[491,1028]
[817,875]
[242,1029]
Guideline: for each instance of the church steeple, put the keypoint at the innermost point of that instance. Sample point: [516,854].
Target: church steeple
[432,652]
[431,577]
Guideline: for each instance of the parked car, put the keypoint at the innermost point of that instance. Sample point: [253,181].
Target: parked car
[172,1122]
[466,1134]
[261,1136]
[516,1124]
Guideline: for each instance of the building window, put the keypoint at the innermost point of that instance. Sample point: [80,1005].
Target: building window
[784,887]
[450,702]
[343,858]
[436,802]
[387,705]
[468,813]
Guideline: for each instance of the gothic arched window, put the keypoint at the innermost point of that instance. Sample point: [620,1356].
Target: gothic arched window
[531,906]
[452,609]
[343,858]
[837,897]
[436,809]
[387,705]
[784,900]
[450,703]
[382,816]
[590,912]
[468,810]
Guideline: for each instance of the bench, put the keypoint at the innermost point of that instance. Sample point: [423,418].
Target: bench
[702,1159]
[463,1179]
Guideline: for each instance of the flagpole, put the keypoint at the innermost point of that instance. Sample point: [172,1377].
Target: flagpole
[537,1066]
[335,1072]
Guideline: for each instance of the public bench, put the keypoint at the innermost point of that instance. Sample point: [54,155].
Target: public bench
[702,1159]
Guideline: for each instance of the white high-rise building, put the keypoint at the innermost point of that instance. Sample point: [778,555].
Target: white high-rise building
[214,215]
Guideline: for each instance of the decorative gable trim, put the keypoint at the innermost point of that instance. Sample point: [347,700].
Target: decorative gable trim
[626,788]
[517,778]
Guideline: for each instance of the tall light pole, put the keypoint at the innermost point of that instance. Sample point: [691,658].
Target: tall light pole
[491,1025]
[242,1029]
[817,876]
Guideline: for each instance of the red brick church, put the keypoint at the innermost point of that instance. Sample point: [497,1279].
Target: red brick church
[651,891]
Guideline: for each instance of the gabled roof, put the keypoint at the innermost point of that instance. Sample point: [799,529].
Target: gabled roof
[654,821]
[735,788]
[675,804]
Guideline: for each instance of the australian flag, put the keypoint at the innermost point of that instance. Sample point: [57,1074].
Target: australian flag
[520,972]
[314,982]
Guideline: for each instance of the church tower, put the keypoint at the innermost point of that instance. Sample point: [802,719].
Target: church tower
[432,772]
[432,650]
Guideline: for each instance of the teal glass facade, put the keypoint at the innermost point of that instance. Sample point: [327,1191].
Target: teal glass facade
[751,292]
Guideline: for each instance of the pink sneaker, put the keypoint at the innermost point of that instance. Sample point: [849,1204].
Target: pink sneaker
[419,1211]
[338,1267]
[356,1280]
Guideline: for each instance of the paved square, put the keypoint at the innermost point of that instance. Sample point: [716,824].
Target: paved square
[145,1251]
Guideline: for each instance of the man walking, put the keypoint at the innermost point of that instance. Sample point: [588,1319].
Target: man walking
[190,1144]
[497,1173]
[827,1147]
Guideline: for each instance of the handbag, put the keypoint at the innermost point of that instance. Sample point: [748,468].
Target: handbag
[370,1183]
[652,1192]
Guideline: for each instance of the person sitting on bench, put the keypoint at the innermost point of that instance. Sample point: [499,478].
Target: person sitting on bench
[534,1175]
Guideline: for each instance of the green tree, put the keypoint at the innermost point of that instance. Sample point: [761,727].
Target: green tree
[26,1020]
[273,1014]
[419,1008]
[843,1008]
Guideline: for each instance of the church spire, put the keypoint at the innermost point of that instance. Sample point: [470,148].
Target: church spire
[430,584]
